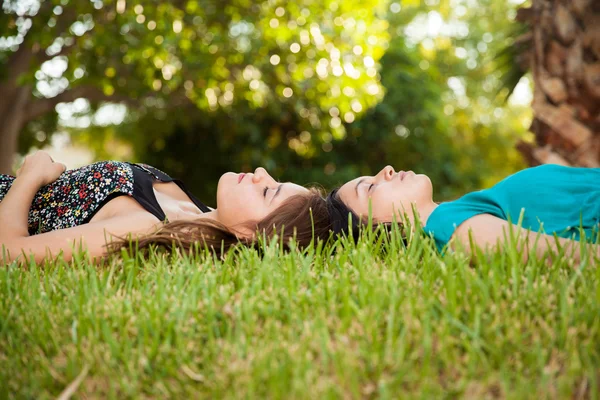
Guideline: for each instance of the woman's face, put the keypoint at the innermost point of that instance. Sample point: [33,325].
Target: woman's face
[247,197]
[390,193]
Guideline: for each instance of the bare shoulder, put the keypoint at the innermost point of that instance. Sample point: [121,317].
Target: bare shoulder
[486,230]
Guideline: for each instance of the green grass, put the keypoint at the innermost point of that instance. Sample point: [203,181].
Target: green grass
[375,320]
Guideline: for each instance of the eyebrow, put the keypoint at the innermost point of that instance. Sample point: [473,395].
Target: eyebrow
[359,182]
[277,192]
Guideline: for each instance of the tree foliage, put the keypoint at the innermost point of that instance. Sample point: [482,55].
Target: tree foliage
[314,91]
[462,141]
[230,55]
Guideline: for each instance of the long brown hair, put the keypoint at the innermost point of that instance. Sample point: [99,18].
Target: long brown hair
[302,216]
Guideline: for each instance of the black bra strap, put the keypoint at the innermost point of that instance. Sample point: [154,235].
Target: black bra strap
[143,193]
[194,199]
[148,199]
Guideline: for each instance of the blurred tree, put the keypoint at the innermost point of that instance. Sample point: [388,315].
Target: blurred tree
[461,141]
[461,55]
[296,88]
[562,49]
[280,138]
[159,56]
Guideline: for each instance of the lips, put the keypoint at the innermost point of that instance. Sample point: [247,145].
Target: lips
[403,174]
[241,177]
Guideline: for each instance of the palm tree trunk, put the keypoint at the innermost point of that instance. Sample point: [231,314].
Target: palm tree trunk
[565,64]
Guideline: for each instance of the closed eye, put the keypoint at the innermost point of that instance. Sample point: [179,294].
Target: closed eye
[265,191]
[370,187]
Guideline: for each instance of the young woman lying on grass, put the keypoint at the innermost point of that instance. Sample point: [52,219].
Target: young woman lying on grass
[553,199]
[46,210]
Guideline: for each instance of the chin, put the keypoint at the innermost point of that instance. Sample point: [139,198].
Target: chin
[225,184]
[228,178]
[423,178]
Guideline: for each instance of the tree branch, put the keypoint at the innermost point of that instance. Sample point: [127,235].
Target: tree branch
[63,24]
[64,51]
[92,93]
[18,62]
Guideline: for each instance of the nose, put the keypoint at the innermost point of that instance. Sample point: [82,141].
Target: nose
[261,174]
[387,173]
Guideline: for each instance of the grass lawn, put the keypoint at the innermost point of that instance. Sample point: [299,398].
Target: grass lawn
[371,320]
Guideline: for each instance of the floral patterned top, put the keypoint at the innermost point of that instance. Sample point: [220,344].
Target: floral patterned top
[75,197]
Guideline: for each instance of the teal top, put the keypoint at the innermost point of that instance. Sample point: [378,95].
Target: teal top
[554,199]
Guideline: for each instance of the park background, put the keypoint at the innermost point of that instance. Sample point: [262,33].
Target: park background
[313,91]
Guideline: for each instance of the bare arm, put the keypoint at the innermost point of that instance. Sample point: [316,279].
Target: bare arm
[37,170]
[14,208]
[489,231]
[91,237]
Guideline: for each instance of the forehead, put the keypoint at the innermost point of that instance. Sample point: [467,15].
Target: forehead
[347,194]
[291,189]
[347,189]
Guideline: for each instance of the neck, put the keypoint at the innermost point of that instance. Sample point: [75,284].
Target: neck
[211,215]
[425,212]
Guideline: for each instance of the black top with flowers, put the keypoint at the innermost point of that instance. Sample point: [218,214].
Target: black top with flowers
[78,194]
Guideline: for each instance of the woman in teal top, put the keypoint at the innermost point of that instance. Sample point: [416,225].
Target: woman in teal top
[553,199]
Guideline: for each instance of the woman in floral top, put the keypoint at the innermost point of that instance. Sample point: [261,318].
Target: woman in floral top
[46,210]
